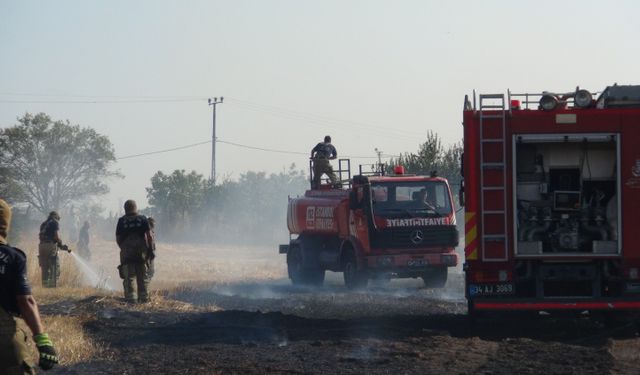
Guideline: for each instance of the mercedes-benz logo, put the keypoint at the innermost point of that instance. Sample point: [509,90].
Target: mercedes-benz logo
[417,236]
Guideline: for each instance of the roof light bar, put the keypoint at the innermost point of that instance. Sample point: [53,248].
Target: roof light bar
[548,102]
[583,99]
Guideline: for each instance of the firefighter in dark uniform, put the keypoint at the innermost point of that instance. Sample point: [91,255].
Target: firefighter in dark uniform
[83,241]
[50,242]
[17,307]
[134,238]
[151,269]
[321,154]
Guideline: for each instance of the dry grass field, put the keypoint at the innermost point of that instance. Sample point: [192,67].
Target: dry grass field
[178,268]
[226,310]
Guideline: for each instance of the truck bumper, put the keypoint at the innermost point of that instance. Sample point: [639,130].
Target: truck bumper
[283,249]
[411,261]
[538,305]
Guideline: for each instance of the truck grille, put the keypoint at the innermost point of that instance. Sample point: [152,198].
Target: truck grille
[417,237]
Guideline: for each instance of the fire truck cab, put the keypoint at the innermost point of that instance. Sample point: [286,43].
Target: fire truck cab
[552,194]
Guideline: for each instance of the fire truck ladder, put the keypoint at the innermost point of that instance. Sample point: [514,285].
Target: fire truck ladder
[493,178]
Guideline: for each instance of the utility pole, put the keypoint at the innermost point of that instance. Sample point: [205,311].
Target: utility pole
[379,152]
[213,103]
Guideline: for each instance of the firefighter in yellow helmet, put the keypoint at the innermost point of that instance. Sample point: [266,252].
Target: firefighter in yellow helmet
[17,306]
[134,237]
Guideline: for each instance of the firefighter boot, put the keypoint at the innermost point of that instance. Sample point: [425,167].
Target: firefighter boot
[142,278]
[129,273]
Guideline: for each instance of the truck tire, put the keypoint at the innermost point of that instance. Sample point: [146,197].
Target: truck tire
[435,277]
[380,281]
[353,277]
[298,273]
[294,264]
[472,315]
[313,276]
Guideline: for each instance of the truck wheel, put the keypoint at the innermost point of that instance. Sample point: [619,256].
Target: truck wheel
[314,276]
[353,278]
[380,280]
[299,274]
[435,277]
[472,315]
[294,265]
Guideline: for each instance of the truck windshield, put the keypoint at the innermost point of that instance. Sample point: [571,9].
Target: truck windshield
[415,198]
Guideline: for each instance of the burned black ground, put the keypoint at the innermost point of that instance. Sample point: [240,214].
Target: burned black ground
[396,329]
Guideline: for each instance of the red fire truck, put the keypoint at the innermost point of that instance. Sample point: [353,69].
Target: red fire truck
[552,191]
[375,227]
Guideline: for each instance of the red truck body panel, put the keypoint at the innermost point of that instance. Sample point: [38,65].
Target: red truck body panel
[326,216]
[491,255]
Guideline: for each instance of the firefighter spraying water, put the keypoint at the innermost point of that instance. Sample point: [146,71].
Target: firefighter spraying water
[50,244]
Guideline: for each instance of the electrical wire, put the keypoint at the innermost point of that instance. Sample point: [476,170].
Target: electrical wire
[241,146]
[102,96]
[123,101]
[163,151]
[320,119]
[262,149]
[294,152]
[263,108]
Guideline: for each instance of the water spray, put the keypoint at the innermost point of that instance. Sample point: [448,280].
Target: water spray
[91,276]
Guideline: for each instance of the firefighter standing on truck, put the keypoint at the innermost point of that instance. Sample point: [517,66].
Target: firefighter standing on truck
[321,154]
[50,242]
[133,235]
[17,306]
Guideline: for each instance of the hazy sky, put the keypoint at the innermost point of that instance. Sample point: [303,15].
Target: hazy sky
[372,74]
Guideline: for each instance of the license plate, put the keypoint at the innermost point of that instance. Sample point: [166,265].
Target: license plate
[417,262]
[490,289]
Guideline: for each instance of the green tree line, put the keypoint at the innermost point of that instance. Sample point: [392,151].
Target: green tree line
[48,164]
[433,157]
[251,210]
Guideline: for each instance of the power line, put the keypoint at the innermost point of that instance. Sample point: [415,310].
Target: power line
[293,152]
[123,101]
[163,151]
[268,109]
[320,119]
[263,149]
[103,96]
[241,146]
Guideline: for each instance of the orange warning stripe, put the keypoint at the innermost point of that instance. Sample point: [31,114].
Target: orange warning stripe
[470,236]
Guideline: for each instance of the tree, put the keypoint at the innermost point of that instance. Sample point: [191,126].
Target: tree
[250,210]
[433,157]
[426,160]
[48,163]
[175,195]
